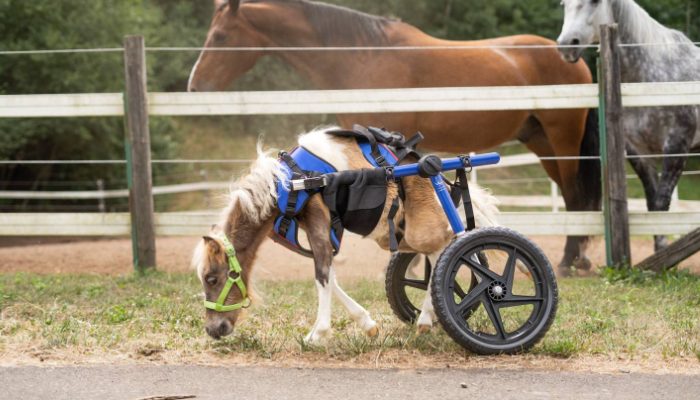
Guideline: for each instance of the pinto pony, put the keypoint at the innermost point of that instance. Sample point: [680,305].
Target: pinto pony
[514,61]
[249,217]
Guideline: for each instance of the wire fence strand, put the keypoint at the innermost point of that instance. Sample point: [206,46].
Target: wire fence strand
[331,48]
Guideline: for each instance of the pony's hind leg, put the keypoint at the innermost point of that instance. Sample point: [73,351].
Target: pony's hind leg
[427,316]
[356,311]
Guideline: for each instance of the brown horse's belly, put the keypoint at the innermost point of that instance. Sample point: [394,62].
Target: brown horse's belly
[454,132]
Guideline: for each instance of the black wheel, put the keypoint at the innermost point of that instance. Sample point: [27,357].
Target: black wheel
[406,283]
[514,302]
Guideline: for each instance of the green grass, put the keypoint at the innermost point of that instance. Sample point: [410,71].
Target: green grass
[620,315]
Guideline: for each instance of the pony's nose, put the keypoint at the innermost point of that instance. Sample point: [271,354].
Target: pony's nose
[217,331]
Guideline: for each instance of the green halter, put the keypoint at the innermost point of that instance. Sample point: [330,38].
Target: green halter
[234,277]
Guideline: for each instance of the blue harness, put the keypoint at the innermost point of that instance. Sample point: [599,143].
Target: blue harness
[301,163]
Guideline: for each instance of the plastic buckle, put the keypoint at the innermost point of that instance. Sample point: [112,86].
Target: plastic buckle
[316,182]
[467,162]
[389,172]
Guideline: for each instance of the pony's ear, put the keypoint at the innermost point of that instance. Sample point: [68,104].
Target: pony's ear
[213,246]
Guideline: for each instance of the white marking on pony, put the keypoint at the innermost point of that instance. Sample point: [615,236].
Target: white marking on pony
[357,312]
[322,144]
[322,327]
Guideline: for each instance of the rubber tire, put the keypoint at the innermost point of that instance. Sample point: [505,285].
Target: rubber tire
[482,236]
[399,302]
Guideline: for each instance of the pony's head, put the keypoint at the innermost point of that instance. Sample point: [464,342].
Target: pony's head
[230,27]
[225,286]
[224,258]
[582,21]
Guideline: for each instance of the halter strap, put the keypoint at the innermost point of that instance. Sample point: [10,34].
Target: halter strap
[234,277]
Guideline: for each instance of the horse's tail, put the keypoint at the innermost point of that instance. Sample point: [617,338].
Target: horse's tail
[589,171]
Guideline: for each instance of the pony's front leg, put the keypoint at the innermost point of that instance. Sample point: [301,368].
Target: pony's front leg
[322,327]
[316,222]
[356,311]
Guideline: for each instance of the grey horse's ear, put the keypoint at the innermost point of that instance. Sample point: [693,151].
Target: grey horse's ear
[219,3]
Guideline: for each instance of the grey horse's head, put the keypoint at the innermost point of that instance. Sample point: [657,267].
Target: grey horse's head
[582,21]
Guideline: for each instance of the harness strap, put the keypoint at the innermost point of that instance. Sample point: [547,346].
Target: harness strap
[393,242]
[463,184]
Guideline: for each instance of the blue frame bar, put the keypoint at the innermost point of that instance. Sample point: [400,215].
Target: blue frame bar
[446,202]
[449,164]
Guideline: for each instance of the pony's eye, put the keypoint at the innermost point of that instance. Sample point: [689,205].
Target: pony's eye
[211,280]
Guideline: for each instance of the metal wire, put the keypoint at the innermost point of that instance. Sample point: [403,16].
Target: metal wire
[331,48]
[117,162]
[62,51]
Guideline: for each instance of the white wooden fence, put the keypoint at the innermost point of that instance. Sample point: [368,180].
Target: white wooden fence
[198,223]
[350,101]
[342,101]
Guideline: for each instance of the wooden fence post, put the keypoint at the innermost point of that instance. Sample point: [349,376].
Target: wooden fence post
[139,154]
[613,151]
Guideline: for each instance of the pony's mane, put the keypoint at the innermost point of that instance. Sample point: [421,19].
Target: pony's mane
[641,27]
[340,26]
[255,193]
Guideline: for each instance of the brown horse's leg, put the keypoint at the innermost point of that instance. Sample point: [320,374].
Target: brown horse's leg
[564,132]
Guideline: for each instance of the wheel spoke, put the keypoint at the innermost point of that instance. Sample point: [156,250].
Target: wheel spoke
[472,297]
[509,272]
[481,270]
[423,285]
[515,301]
[459,291]
[495,317]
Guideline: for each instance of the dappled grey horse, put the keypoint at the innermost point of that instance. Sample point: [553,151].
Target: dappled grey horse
[665,55]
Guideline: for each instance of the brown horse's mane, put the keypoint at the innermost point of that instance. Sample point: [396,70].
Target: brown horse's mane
[340,26]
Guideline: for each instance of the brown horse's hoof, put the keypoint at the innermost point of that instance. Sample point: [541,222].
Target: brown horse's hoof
[583,264]
[565,271]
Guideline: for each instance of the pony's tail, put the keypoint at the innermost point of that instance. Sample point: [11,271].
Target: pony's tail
[589,171]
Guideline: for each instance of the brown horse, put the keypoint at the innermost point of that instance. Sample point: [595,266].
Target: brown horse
[249,217]
[301,23]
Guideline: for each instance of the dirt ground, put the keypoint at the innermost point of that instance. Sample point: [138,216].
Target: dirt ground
[358,258]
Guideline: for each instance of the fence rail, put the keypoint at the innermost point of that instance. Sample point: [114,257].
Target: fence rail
[197,223]
[350,101]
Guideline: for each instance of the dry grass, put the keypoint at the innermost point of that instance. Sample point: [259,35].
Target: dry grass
[159,317]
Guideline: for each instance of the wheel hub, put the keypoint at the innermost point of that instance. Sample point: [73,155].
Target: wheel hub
[497,290]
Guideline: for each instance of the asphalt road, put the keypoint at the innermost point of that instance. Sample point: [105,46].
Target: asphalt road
[138,382]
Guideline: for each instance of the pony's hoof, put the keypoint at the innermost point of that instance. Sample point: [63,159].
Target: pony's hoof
[423,329]
[317,336]
[372,332]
